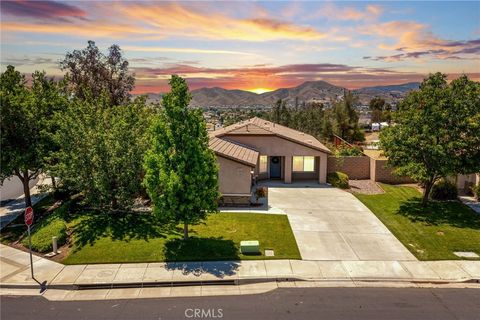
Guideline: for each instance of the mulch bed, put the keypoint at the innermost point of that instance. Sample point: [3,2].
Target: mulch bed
[364,187]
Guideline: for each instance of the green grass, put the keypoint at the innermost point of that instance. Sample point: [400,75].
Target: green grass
[52,225]
[17,227]
[433,233]
[102,238]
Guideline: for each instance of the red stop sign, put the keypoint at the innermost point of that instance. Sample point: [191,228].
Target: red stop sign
[29,216]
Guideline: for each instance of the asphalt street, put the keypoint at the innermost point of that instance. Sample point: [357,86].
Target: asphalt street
[12,188]
[288,303]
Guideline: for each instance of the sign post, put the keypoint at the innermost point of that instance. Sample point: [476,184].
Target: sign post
[28,222]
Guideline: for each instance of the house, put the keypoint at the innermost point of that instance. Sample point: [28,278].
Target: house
[261,150]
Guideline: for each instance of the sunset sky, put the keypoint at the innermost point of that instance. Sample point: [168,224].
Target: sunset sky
[251,45]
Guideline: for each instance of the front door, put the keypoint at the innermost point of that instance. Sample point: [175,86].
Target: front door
[275,167]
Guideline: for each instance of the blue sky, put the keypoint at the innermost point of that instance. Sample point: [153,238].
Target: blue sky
[251,45]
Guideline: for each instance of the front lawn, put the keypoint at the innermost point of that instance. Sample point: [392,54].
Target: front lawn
[17,230]
[433,233]
[102,238]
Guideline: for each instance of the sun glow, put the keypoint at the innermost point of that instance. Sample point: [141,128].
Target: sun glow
[260,90]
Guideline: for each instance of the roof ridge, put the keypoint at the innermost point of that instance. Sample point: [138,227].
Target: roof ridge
[273,128]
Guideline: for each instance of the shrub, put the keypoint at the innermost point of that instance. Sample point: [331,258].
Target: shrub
[50,226]
[444,190]
[338,179]
[261,192]
[347,151]
[61,193]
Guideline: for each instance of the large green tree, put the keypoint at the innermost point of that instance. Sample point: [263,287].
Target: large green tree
[90,72]
[27,124]
[102,150]
[436,131]
[181,171]
[103,132]
[52,98]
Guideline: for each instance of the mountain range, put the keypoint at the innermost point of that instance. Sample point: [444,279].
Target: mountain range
[320,91]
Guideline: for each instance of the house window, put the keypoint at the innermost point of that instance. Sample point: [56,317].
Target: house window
[303,164]
[263,164]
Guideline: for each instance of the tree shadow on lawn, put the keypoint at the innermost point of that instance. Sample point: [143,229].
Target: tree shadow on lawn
[201,249]
[130,226]
[452,213]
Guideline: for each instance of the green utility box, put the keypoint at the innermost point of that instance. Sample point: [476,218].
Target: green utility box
[250,246]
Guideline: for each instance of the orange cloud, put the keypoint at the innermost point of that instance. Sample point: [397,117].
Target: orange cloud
[162,20]
[90,29]
[335,12]
[175,19]
[183,50]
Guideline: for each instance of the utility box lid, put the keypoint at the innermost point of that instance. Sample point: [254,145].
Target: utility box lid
[250,243]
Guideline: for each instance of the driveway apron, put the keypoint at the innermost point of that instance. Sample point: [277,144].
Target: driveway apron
[331,224]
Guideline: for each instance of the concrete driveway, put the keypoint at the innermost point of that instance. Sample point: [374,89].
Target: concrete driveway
[331,224]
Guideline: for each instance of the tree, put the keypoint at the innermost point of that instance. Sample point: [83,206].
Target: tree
[90,73]
[285,116]
[377,103]
[102,150]
[277,111]
[436,131]
[181,171]
[26,125]
[345,119]
[50,96]
[376,107]
[381,111]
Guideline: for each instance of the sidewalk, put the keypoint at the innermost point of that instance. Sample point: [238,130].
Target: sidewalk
[471,202]
[15,272]
[14,208]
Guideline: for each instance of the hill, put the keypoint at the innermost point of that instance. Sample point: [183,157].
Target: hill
[222,97]
[320,91]
[308,91]
[391,93]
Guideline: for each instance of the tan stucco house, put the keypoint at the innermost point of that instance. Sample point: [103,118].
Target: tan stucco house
[259,149]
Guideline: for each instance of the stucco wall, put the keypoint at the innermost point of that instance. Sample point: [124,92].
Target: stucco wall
[464,182]
[355,167]
[233,177]
[276,146]
[381,173]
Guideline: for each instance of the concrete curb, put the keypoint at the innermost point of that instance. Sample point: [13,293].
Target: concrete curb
[233,282]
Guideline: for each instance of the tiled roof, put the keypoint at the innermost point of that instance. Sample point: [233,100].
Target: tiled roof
[234,151]
[257,126]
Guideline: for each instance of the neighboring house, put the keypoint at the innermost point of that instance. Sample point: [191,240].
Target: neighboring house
[260,149]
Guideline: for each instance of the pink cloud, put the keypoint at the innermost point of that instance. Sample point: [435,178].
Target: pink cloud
[45,10]
[413,40]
